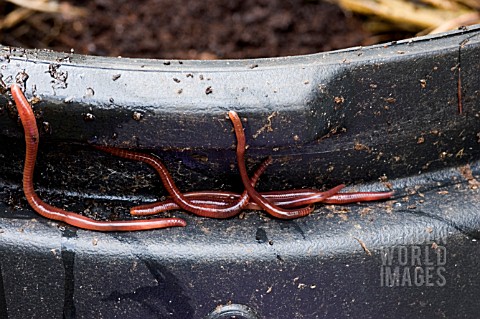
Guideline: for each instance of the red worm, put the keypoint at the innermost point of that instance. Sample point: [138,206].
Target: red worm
[347,198]
[298,197]
[285,199]
[205,209]
[224,204]
[32,139]
[264,203]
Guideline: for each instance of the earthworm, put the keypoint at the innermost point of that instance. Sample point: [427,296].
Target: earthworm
[346,198]
[224,204]
[264,203]
[215,204]
[286,199]
[205,209]
[31,140]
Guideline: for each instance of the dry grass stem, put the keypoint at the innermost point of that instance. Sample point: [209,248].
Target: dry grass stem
[38,5]
[407,15]
[15,17]
[29,7]
[466,19]
[50,6]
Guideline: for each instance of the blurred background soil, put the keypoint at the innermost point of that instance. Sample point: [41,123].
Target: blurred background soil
[218,29]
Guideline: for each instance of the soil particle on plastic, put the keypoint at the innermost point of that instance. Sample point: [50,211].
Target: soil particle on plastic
[88,117]
[361,147]
[467,173]
[21,77]
[137,116]
[89,92]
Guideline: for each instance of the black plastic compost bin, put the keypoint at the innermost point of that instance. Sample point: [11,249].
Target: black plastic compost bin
[403,114]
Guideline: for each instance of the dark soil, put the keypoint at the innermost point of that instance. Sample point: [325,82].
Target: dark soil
[191,29]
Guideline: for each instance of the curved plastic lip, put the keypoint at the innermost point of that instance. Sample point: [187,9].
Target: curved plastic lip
[157,65]
[306,96]
[397,108]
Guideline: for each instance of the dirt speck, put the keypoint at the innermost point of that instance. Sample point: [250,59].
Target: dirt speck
[339,99]
[267,127]
[137,116]
[365,211]
[361,147]
[466,172]
[89,92]
[364,246]
[46,127]
[383,178]
[59,77]
[21,77]
[88,117]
